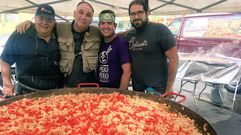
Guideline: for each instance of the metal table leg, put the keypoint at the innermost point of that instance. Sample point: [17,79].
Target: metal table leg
[185,81]
[235,93]
[205,86]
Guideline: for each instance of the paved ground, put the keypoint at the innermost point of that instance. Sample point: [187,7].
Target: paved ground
[224,121]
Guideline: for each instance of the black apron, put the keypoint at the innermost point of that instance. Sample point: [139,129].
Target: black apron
[42,74]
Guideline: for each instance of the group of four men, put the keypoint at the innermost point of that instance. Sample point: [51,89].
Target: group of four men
[43,54]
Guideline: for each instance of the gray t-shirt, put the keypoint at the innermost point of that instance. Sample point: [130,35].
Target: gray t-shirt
[149,63]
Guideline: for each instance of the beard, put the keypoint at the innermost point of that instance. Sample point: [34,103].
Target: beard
[140,24]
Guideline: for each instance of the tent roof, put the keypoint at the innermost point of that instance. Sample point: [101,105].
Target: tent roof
[157,7]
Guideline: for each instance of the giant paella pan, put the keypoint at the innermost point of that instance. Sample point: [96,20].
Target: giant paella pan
[99,111]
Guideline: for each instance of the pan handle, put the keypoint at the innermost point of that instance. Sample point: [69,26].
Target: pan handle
[174,93]
[2,97]
[88,85]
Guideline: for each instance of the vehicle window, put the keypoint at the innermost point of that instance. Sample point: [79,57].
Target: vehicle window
[213,27]
[175,26]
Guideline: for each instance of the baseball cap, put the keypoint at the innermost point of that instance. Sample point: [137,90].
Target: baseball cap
[46,11]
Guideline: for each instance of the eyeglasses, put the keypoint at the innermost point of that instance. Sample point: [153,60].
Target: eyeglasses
[46,19]
[138,13]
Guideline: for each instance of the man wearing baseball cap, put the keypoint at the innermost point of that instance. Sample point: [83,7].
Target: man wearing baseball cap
[35,54]
[45,20]
[114,68]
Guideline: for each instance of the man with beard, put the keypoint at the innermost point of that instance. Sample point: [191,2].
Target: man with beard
[79,45]
[154,54]
[114,68]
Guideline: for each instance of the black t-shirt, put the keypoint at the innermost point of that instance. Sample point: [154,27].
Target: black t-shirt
[149,63]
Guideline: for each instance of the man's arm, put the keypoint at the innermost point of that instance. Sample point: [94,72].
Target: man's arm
[125,78]
[173,61]
[8,88]
[22,27]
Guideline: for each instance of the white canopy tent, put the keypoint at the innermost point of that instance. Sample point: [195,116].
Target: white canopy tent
[157,7]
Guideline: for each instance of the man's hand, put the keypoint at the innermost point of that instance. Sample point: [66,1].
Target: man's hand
[9,90]
[22,27]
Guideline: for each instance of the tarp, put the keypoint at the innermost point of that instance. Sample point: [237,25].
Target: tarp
[157,7]
[219,70]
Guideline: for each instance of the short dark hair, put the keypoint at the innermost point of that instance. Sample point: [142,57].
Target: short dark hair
[107,11]
[84,2]
[138,2]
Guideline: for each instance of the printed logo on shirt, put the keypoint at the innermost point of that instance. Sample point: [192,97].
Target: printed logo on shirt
[137,45]
[104,73]
[103,58]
